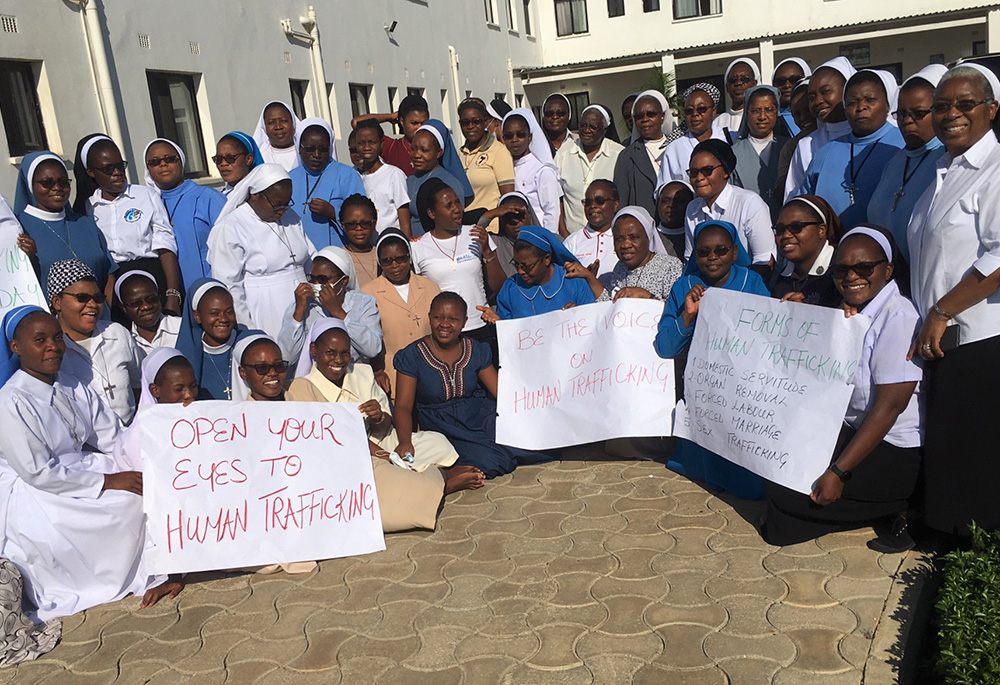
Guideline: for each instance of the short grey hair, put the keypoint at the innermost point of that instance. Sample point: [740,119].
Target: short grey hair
[971,73]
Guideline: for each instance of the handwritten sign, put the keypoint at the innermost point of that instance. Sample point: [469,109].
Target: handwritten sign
[18,283]
[228,485]
[767,383]
[584,374]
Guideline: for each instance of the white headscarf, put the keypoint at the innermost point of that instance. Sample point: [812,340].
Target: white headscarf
[569,107]
[932,74]
[743,60]
[261,177]
[988,73]
[319,327]
[873,233]
[841,65]
[539,146]
[664,105]
[341,259]
[146,175]
[241,391]
[301,127]
[260,133]
[604,114]
[91,142]
[643,217]
[806,71]
[120,281]
[434,132]
[151,366]
[891,90]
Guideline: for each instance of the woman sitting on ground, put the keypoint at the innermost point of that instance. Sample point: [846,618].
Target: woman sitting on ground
[207,335]
[136,292]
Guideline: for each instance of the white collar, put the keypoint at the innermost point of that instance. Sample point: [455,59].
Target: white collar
[98,199]
[43,215]
[976,155]
[819,267]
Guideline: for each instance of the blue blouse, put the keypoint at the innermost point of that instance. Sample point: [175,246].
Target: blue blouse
[192,210]
[413,184]
[335,184]
[517,299]
[67,236]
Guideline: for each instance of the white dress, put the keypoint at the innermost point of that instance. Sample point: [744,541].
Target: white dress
[110,363]
[75,545]
[261,264]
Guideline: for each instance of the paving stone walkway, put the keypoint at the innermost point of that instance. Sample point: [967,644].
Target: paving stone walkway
[572,572]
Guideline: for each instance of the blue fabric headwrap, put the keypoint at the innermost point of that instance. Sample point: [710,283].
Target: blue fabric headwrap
[189,338]
[742,258]
[548,242]
[450,159]
[249,143]
[23,197]
[9,362]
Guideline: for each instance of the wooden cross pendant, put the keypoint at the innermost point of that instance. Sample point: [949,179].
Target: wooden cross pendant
[895,202]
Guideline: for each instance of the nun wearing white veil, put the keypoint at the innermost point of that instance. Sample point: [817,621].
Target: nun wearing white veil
[275,135]
[258,248]
[737,88]
[638,165]
[535,173]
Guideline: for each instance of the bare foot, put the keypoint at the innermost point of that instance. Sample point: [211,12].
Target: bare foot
[172,587]
[462,478]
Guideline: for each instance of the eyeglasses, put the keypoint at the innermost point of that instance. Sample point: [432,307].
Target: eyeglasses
[963,106]
[275,208]
[135,304]
[780,81]
[757,111]
[394,261]
[264,369]
[718,251]
[915,114]
[590,127]
[314,149]
[158,161]
[549,114]
[510,135]
[691,111]
[50,183]
[353,225]
[598,201]
[110,169]
[705,171]
[470,122]
[794,228]
[647,114]
[862,269]
[228,159]
[736,80]
[85,298]
[524,268]
[320,279]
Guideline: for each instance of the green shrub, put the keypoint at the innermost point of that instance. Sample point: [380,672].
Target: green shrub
[969,612]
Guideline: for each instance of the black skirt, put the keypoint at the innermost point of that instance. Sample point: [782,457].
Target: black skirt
[880,486]
[962,444]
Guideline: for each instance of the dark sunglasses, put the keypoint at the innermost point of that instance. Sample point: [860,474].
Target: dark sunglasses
[524,268]
[393,261]
[915,114]
[470,122]
[736,80]
[599,201]
[50,183]
[963,106]
[794,228]
[135,304]
[85,298]
[862,269]
[228,159]
[264,369]
[352,225]
[646,114]
[511,135]
[718,251]
[323,280]
[110,169]
[780,81]
[691,111]
[555,113]
[705,171]
[313,149]
[158,161]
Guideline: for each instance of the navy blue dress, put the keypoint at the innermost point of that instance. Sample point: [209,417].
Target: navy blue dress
[452,402]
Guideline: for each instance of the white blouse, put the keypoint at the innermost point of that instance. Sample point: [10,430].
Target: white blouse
[135,224]
[540,184]
[455,264]
[677,157]
[166,334]
[589,245]
[742,208]
[110,363]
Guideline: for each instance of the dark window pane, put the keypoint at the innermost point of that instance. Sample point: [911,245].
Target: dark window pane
[298,91]
[359,99]
[175,114]
[616,8]
[22,117]
[527,17]
[650,5]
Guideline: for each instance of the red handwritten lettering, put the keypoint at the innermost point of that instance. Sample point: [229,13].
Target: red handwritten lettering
[528,339]
[291,464]
[184,433]
[226,524]
[578,359]
[292,430]
[181,472]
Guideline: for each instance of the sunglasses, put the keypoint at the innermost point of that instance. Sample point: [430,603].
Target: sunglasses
[510,135]
[963,106]
[275,208]
[757,111]
[691,111]
[110,169]
[228,159]
[915,114]
[323,280]
[794,228]
[705,171]
[556,113]
[85,298]
[159,161]
[50,183]
[736,80]
[785,80]
[718,251]
[646,114]
[394,261]
[598,201]
[264,369]
[862,269]
[135,304]
[470,122]
[314,149]
[353,225]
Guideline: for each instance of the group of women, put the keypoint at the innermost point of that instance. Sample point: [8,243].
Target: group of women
[379,283]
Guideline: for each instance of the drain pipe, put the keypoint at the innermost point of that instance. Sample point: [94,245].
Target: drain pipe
[94,36]
[309,23]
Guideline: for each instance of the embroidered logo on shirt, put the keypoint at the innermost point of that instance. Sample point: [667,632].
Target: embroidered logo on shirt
[132,215]
[482,159]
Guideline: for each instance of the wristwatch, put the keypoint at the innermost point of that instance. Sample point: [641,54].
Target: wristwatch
[840,473]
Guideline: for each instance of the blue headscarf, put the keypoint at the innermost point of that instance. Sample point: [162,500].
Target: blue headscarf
[23,197]
[249,143]
[189,338]
[449,157]
[548,242]
[742,258]
[10,362]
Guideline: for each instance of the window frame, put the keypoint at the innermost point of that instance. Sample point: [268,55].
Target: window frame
[616,8]
[190,82]
[702,11]
[574,29]
[366,90]
[12,123]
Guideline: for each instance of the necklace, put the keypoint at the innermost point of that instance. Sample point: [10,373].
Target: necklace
[284,241]
[225,379]
[70,425]
[853,188]
[454,254]
[310,191]
[170,212]
[67,241]
[364,267]
[906,179]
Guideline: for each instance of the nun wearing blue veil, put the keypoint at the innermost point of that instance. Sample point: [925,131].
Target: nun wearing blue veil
[540,284]
[236,154]
[718,261]
[433,155]
[46,216]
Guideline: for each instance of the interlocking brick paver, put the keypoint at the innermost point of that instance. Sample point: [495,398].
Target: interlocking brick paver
[722,587]
[709,615]
[818,650]
[646,646]
[556,646]
[653,587]
[524,674]
[786,617]
[750,670]
[723,647]
[657,674]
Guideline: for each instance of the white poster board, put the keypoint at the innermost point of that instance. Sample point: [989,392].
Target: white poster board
[583,374]
[18,283]
[229,485]
[767,383]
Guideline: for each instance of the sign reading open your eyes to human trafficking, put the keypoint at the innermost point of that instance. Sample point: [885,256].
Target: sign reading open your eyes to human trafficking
[229,485]
[767,383]
[18,283]
[583,374]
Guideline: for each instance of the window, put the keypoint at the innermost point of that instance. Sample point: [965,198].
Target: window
[519,100]
[527,17]
[419,92]
[298,89]
[500,96]
[359,99]
[393,98]
[578,102]
[571,17]
[491,11]
[650,5]
[616,8]
[175,114]
[511,16]
[685,9]
[22,117]
[978,48]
